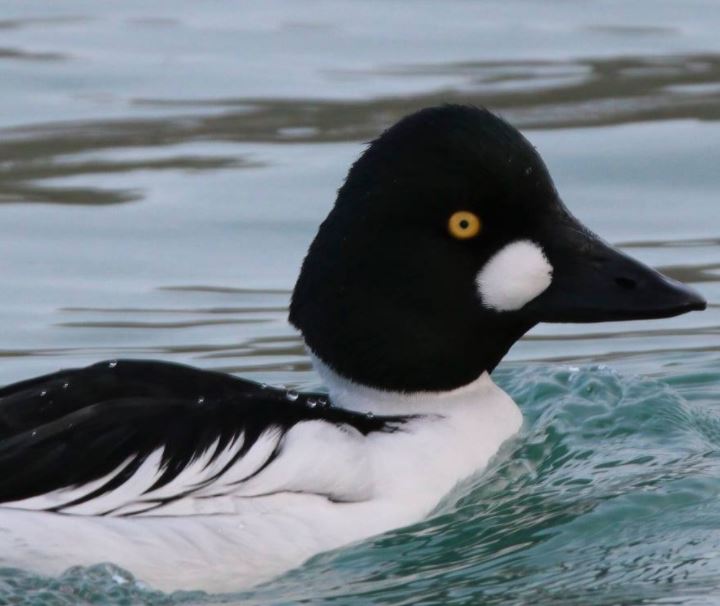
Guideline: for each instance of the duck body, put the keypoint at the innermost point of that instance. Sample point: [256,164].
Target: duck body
[447,242]
[180,474]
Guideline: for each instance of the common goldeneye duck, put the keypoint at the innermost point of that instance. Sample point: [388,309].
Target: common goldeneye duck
[447,242]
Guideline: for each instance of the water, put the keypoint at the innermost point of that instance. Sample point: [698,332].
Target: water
[163,167]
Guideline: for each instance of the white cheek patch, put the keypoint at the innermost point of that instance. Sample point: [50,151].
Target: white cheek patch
[514,276]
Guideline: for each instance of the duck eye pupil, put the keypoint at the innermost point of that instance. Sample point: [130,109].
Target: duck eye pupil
[464,224]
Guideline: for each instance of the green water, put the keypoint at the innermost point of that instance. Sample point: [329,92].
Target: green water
[163,167]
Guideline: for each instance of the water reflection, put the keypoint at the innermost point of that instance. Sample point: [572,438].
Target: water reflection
[169,277]
[19,55]
[532,94]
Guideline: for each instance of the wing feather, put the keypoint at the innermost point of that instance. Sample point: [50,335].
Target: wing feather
[135,437]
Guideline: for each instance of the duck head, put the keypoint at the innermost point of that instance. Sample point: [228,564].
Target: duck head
[448,241]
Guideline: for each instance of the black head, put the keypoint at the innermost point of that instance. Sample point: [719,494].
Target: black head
[447,242]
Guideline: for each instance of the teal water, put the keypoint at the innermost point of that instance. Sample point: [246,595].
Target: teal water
[163,167]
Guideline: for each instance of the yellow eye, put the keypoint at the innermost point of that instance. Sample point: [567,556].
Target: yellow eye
[464,225]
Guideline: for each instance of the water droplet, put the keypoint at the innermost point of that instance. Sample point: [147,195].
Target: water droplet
[322,402]
[112,364]
[528,170]
[201,400]
[34,433]
[43,393]
[292,395]
[312,402]
[66,385]
[370,415]
[263,385]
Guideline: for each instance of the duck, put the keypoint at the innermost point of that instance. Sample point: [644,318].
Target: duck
[447,242]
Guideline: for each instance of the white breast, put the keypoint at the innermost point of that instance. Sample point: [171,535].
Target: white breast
[455,434]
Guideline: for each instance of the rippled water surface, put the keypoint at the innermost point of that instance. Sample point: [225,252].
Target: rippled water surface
[163,167]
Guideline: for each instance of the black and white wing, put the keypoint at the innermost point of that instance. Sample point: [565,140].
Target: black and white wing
[137,437]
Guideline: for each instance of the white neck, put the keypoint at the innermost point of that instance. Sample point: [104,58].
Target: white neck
[353,396]
[453,434]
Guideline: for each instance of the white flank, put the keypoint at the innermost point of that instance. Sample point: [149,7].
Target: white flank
[126,493]
[58,498]
[514,276]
